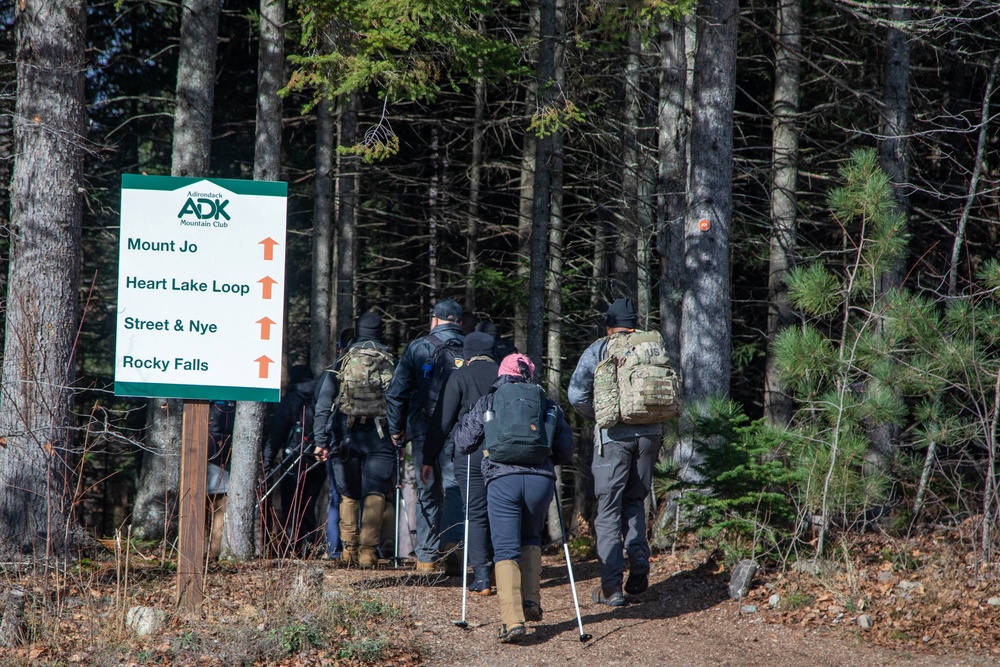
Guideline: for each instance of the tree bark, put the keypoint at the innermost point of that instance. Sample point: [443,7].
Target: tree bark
[475,180]
[347,216]
[36,517]
[192,145]
[784,202]
[706,325]
[248,433]
[541,187]
[323,332]
[671,202]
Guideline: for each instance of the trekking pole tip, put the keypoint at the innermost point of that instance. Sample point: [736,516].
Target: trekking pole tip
[460,624]
[585,638]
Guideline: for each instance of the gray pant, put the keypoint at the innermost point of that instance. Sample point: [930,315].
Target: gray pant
[622,477]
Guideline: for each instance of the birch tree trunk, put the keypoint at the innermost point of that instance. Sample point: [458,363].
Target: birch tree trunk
[192,143]
[36,516]
[248,431]
[784,161]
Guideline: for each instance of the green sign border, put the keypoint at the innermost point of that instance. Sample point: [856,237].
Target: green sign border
[236,186]
[205,392]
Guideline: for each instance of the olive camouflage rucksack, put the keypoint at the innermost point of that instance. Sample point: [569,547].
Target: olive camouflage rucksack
[634,383]
[364,374]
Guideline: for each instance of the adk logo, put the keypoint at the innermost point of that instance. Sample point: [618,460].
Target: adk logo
[205,209]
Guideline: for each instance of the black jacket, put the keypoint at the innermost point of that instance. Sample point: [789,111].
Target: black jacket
[469,437]
[464,387]
[404,408]
[294,407]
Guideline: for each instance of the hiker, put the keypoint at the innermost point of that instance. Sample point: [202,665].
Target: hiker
[524,435]
[411,399]
[466,386]
[350,424]
[624,453]
[501,346]
[221,417]
[289,448]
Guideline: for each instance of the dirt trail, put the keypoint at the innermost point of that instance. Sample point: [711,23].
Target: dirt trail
[685,618]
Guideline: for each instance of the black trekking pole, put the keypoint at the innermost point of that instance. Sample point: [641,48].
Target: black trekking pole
[465,544]
[399,495]
[277,482]
[569,566]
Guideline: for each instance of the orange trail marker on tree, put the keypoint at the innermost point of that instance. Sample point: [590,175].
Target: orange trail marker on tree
[704,225]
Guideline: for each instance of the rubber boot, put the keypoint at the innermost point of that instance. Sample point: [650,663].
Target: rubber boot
[349,508]
[511,605]
[531,583]
[371,531]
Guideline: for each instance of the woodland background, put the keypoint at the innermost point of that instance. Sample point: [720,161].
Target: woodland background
[835,324]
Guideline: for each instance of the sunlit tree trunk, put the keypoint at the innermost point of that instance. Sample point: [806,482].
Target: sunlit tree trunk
[156,496]
[36,517]
[672,177]
[248,432]
[785,171]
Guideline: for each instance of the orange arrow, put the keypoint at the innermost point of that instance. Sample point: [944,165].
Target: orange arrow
[265,327]
[267,282]
[269,244]
[263,361]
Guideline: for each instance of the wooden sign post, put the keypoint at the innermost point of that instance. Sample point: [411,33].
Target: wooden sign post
[194,471]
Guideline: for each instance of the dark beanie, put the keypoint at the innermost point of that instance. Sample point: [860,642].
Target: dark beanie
[478,344]
[487,327]
[621,313]
[369,326]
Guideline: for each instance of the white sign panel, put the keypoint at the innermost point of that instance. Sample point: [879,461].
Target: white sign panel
[201,271]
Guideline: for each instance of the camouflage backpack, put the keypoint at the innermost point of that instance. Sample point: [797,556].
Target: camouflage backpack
[365,372]
[634,383]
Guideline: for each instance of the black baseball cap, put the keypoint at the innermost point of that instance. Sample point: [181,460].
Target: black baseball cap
[448,310]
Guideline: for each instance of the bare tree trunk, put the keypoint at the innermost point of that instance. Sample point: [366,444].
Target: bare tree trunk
[36,394]
[248,431]
[322,340]
[785,159]
[545,72]
[347,215]
[192,144]
[475,177]
[526,190]
[706,325]
[672,176]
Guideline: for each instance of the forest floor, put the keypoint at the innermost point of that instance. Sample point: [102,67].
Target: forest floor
[926,604]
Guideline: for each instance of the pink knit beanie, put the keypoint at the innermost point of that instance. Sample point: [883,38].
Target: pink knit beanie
[511,365]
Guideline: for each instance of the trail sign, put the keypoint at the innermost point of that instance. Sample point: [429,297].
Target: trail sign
[201,271]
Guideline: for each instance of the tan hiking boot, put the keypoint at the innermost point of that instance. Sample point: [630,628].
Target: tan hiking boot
[531,583]
[371,531]
[511,605]
[349,508]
